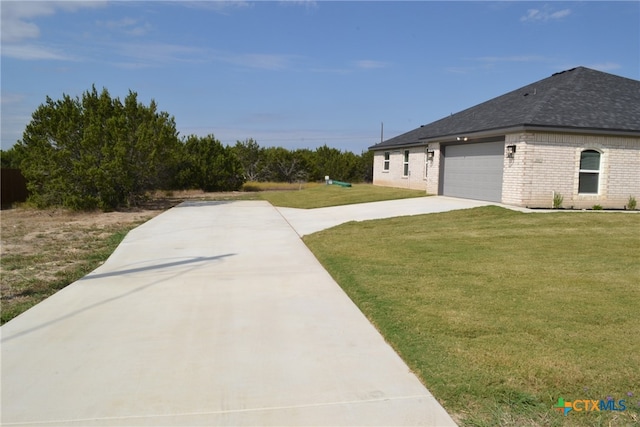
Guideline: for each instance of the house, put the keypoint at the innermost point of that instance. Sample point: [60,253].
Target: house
[574,135]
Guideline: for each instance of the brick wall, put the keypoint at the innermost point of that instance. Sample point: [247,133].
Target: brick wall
[545,163]
[433,169]
[395,177]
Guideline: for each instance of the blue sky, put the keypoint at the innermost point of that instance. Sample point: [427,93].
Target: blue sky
[300,74]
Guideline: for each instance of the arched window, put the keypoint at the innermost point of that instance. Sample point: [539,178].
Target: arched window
[589,172]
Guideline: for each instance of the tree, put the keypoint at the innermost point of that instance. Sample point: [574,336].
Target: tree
[336,164]
[145,152]
[210,166]
[96,151]
[252,158]
[280,164]
[11,158]
[284,165]
[365,166]
[306,164]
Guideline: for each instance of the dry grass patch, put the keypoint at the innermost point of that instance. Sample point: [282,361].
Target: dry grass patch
[45,250]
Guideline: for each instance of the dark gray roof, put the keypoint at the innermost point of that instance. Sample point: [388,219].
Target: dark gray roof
[576,99]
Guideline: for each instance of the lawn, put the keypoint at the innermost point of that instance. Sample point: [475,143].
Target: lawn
[320,196]
[501,313]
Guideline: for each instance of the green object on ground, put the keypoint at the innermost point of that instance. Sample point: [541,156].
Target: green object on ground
[340,183]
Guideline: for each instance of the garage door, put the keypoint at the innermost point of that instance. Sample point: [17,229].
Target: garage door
[474,171]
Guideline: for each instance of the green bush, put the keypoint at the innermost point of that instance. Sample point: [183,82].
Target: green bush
[557,200]
[210,166]
[97,151]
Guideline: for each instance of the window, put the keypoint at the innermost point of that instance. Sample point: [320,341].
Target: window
[405,164]
[386,161]
[589,172]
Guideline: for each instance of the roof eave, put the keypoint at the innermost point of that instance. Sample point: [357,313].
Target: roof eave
[383,147]
[583,130]
[531,127]
[510,129]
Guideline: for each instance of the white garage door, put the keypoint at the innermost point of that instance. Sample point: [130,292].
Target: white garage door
[474,171]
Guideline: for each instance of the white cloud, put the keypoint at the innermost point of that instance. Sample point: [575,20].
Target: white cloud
[31,52]
[19,31]
[15,27]
[537,15]
[14,31]
[560,14]
[17,17]
[532,15]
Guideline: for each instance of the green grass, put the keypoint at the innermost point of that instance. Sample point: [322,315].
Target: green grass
[332,195]
[500,313]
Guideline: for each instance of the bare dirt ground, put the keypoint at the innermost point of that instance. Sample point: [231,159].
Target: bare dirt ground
[42,251]
[27,231]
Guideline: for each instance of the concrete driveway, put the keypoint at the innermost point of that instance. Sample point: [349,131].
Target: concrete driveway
[307,221]
[209,314]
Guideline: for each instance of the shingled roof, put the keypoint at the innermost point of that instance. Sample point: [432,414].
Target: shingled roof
[580,99]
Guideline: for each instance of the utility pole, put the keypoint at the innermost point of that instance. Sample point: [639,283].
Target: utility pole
[381,131]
